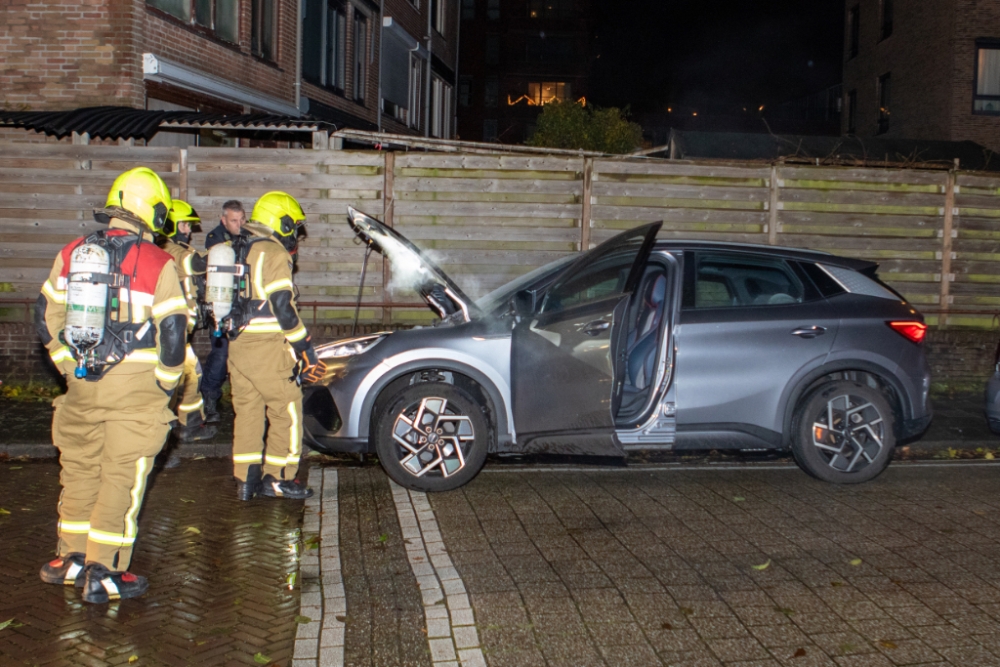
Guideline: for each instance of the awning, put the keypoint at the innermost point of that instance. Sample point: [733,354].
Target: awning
[128,123]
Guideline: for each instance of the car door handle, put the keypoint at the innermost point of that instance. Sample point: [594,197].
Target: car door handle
[809,332]
[595,327]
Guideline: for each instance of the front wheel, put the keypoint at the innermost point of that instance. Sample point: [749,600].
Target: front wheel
[843,433]
[432,437]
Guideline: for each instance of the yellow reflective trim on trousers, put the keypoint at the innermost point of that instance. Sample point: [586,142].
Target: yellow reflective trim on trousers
[191,407]
[57,296]
[61,353]
[163,375]
[258,277]
[148,356]
[294,435]
[138,488]
[277,286]
[177,303]
[112,539]
[297,334]
[263,325]
[74,527]
[252,457]
[275,461]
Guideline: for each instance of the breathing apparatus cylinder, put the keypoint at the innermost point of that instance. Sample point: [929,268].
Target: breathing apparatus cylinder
[220,283]
[86,302]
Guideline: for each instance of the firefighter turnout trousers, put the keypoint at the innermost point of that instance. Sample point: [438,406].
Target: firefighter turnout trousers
[191,407]
[260,371]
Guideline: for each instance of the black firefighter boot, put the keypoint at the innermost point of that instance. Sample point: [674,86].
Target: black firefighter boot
[195,430]
[66,570]
[211,409]
[292,489]
[251,487]
[101,585]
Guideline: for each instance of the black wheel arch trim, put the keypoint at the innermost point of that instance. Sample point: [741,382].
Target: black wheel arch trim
[799,389]
[496,398]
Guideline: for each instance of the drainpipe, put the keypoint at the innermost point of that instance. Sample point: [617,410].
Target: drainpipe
[457,88]
[298,55]
[381,45]
[430,68]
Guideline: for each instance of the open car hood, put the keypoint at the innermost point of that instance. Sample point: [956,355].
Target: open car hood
[411,268]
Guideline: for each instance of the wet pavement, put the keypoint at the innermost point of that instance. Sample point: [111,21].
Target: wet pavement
[218,573]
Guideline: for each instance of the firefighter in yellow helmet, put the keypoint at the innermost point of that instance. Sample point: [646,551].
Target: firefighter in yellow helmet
[191,266]
[269,354]
[114,319]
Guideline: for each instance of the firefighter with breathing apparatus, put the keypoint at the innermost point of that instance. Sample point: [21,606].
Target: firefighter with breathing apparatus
[191,266]
[253,301]
[114,319]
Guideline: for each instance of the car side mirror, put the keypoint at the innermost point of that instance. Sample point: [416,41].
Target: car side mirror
[522,304]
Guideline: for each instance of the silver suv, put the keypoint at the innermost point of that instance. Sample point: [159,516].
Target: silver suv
[637,344]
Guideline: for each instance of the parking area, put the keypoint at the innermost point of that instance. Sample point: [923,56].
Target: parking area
[677,564]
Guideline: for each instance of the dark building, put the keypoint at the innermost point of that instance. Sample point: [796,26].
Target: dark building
[922,69]
[518,55]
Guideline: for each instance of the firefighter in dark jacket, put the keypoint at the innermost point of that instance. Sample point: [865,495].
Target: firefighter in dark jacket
[114,319]
[191,266]
[270,348]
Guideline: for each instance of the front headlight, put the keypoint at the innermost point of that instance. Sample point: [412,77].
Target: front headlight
[349,347]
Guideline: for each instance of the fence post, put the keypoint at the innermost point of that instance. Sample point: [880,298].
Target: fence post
[182,174]
[946,245]
[388,201]
[772,212]
[588,178]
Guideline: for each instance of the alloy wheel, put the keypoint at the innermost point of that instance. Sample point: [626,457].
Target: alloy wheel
[849,433]
[431,434]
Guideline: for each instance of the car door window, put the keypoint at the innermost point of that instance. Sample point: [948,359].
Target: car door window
[733,280]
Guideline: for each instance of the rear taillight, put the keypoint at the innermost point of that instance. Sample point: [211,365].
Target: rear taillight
[909,329]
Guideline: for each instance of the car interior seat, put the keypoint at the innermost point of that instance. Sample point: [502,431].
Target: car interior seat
[641,353]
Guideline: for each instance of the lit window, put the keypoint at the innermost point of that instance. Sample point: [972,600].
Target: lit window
[548,91]
[987,86]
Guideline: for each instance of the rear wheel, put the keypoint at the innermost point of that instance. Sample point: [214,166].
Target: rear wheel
[432,436]
[843,433]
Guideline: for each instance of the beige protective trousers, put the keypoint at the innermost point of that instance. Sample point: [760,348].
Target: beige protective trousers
[191,406]
[107,433]
[260,372]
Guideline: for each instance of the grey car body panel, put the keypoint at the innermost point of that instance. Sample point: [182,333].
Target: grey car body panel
[750,410]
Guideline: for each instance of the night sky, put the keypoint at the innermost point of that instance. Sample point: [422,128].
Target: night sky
[715,55]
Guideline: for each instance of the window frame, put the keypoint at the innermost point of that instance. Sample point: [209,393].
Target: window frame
[983,44]
[439,16]
[539,100]
[258,9]
[885,19]
[191,20]
[359,67]
[416,90]
[883,97]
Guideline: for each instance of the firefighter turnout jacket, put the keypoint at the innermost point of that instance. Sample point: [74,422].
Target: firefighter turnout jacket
[191,266]
[262,359]
[109,425]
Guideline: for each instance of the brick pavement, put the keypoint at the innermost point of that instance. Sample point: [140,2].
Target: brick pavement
[217,596]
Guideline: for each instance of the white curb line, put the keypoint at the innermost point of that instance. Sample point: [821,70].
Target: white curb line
[451,630]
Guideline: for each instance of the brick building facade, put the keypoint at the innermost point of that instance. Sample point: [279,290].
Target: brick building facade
[522,54]
[233,56]
[923,69]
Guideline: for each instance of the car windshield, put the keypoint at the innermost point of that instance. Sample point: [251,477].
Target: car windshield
[501,295]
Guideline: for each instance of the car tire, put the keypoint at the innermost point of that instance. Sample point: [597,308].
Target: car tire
[860,444]
[444,458]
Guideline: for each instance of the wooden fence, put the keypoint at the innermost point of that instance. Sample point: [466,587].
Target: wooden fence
[487,219]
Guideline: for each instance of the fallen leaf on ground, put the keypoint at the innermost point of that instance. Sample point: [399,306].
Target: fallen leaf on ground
[762,566]
[341,619]
[785,610]
[856,562]
[303,619]
[738,499]
[3,511]
[192,530]
[799,653]
[10,623]
[133,658]
[887,644]
[257,524]
[383,538]
[197,458]
[979,512]
[989,456]
[687,611]
[835,584]
[186,500]
[667,626]
[261,659]
[847,648]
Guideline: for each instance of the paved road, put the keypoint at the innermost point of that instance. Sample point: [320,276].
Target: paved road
[688,565]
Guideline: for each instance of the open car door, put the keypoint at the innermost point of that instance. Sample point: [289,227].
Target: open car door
[566,355]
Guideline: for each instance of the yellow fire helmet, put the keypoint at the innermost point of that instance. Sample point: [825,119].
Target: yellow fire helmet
[181,211]
[280,212]
[144,194]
